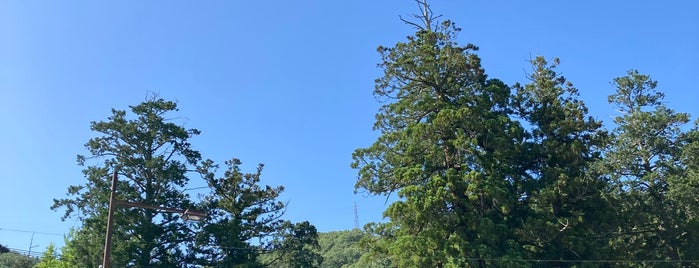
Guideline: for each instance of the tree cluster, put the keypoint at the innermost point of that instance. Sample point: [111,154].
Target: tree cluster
[10,258]
[154,161]
[488,174]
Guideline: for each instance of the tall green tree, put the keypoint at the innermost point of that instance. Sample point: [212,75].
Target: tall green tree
[685,193]
[154,159]
[241,211]
[152,156]
[245,222]
[445,149]
[49,259]
[562,201]
[645,162]
[296,245]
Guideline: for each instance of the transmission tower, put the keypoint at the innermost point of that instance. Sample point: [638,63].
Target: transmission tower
[356,218]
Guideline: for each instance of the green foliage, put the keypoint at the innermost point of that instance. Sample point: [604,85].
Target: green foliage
[154,159]
[244,221]
[13,259]
[645,162]
[340,248]
[49,259]
[296,246]
[562,199]
[488,175]
[444,150]
[485,175]
[152,156]
[240,211]
[337,249]
[343,249]
[84,247]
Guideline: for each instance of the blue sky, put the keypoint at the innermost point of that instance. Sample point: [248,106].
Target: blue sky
[284,83]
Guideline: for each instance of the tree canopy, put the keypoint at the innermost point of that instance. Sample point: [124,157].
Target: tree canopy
[14,259]
[484,174]
[155,161]
[488,174]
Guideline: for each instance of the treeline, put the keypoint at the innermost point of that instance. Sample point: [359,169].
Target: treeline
[496,175]
[486,174]
[16,258]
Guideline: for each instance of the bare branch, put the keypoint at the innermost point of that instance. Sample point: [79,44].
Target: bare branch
[426,16]
[418,26]
[565,225]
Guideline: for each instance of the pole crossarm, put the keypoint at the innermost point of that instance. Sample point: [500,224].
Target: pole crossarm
[147,206]
[187,214]
[110,223]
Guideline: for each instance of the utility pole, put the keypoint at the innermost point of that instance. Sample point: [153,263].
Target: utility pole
[113,202]
[31,245]
[110,223]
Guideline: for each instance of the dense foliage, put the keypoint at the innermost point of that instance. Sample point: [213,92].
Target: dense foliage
[50,260]
[14,259]
[340,248]
[488,174]
[154,161]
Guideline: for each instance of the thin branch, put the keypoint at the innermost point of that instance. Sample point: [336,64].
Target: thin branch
[426,16]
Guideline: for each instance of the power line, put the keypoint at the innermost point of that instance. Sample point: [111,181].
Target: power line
[577,261]
[195,188]
[35,254]
[27,231]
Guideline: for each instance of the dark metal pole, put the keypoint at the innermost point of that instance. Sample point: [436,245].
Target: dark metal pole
[110,223]
[113,203]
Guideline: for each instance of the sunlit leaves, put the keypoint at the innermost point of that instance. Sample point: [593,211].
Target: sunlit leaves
[442,127]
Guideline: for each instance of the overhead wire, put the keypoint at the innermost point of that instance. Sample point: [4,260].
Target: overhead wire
[261,250]
[28,231]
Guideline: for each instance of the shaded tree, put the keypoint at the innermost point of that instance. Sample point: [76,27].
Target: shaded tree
[16,260]
[154,160]
[244,222]
[645,162]
[152,156]
[684,192]
[562,201]
[296,246]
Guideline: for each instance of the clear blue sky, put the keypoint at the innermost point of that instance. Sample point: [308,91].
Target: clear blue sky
[285,83]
